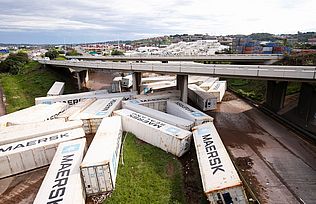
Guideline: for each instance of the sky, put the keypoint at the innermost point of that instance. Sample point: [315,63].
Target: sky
[81,21]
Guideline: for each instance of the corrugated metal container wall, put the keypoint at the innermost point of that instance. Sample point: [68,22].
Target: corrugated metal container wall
[159,115]
[29,154]
[62,183]
[76,109]
[218,89]
[72,99]
[220,180]
[99,170]
[183,110]
[167,137]
[57,89]
[31,130]
[93,114]
[204,100]
[33,114]
[161,95]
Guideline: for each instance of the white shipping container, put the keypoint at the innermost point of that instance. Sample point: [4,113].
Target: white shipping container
[160,134]
[159,115]
[127,81]
[57,89]
[220,180]
[183,110]
[99,166]
[72,99]
[93,114]
[33,114]
[76,109]
[156,86]
[218,89]
[29,154]
[62,183]
[204,100]
[16,133]
[207,84]
[161,95]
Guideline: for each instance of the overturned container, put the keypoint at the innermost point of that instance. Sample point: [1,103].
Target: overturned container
[204,100]
[62,183]
[29,154]
[57,89]
[208,83]
[220,179]
[16,133]
[159,115]
[33,114]
[155,132]
[72,99]
[76,109]
[183,110]
[94,113]
[100,164]
[218,89]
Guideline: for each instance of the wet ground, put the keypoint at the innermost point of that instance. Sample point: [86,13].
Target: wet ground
[277,164]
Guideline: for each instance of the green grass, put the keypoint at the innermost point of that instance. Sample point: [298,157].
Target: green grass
[32,81]
[149,175]
[254,89]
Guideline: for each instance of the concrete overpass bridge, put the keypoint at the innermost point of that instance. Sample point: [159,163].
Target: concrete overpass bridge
[277,77]
[237,58]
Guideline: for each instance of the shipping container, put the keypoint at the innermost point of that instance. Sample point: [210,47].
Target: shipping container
[93,114]
[183,110]
[127,81]
[38,113]
[161,95]
[72,99]
[220,179]
[117,85]
[22,156]
[62,183]
[198,80]
[155,132]
[207,84]
[16,133]
[218,89]
[158,86]
[159,115]
[57,89]
[76,109]
[157,79]
[100,164]
[204,100]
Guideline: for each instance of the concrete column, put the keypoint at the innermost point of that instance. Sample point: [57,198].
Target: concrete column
[182,85]
[307,102]
[137,78]
[78,80]
[86,79]
[275,94]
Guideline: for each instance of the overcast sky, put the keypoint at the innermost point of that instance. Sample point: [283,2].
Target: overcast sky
[58,21]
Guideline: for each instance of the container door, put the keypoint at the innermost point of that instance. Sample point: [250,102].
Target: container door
[101,178]
[87,181]
[93,179]
[108,178]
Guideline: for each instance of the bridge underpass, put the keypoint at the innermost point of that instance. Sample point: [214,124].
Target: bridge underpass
[277,77]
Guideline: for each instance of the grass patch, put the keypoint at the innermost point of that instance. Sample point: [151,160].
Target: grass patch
[31,82]
[254,89]
[149,175]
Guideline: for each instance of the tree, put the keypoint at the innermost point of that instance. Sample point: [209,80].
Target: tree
[52,54]
[116,52]
[14,62]
[72,53]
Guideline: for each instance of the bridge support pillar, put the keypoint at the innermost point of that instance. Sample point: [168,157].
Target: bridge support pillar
[307,103]
[275,94]
[137,78]
[78,80]
[182,85]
